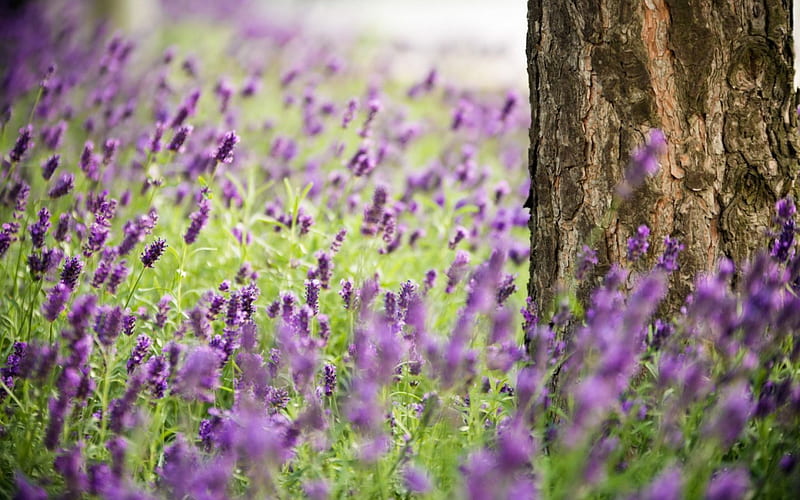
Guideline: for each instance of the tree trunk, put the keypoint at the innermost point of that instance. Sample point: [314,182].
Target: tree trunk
[715,76]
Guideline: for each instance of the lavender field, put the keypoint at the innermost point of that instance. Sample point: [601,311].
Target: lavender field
[240,259]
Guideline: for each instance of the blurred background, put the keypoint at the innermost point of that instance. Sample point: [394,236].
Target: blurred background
[481,42]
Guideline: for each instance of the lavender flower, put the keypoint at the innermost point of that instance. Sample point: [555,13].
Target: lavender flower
[457,270]
[415,480]
[668,261]
[336,244]
[153,252]
[118,274]
[330,379]
[23,145]
[728,484]
[178,140]
[38,229]
[224,153]
[155,141]
[108,324]
[782,245]
[638,244]
[49,166]
[71,272]
[139,352]
[198,377]
[312,295]
[199,220]
[460,234]
[587,259]
[347,293]
[644,162]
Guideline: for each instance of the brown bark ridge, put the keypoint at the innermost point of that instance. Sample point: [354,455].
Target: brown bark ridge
[715,76]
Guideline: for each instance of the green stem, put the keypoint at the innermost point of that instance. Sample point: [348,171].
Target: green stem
[108,358]
[133,289]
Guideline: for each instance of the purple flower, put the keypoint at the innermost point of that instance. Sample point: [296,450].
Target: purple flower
[139,352]
[782,245]
[224,153]
[153,252]
[118,274]
[638,244]
[312,295]
[336,244]
[346,293]
[644,162]
[459,235]
[178,140]
[23,144]
[71,271]
[110,147]
[457,270]
[108,324]
[38,230]
[668,261]
[155,141]
[728,484]
[199,220]
[667,486]
[49,166]
[735,408]
[416,480]
[330,379]
[56,301]
[198,377]
[587,259]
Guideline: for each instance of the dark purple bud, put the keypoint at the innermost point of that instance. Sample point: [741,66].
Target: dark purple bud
[668,261]
[38,230]
[199,220]
[139,352]
[155,141]
[312,294]
[179,139]
[63,186]
[49,166]
[460,234]
[61,233]
[71,272]
[224,153]
[153,252]
[638,244]
[336,244]
[23,144]
[110,148]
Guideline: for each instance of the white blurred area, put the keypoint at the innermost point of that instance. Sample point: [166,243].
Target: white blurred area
[480,42]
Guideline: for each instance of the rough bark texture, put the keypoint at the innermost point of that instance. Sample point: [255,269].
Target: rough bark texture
[715,76]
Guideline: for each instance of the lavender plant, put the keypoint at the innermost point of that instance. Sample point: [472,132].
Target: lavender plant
[326,302]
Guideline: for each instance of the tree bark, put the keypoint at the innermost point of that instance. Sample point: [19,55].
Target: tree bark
[715,76]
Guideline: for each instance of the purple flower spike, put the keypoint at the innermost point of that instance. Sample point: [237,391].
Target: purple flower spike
[199,220]
[49,166]
[224,153]
[644,162]
[139,352]
[728,485]
[638,244]
[587,259]
[178,140]
[63,186]
[668,261]
[71,272]
[23,144]
[153,252]
[416,480]
[56,301]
